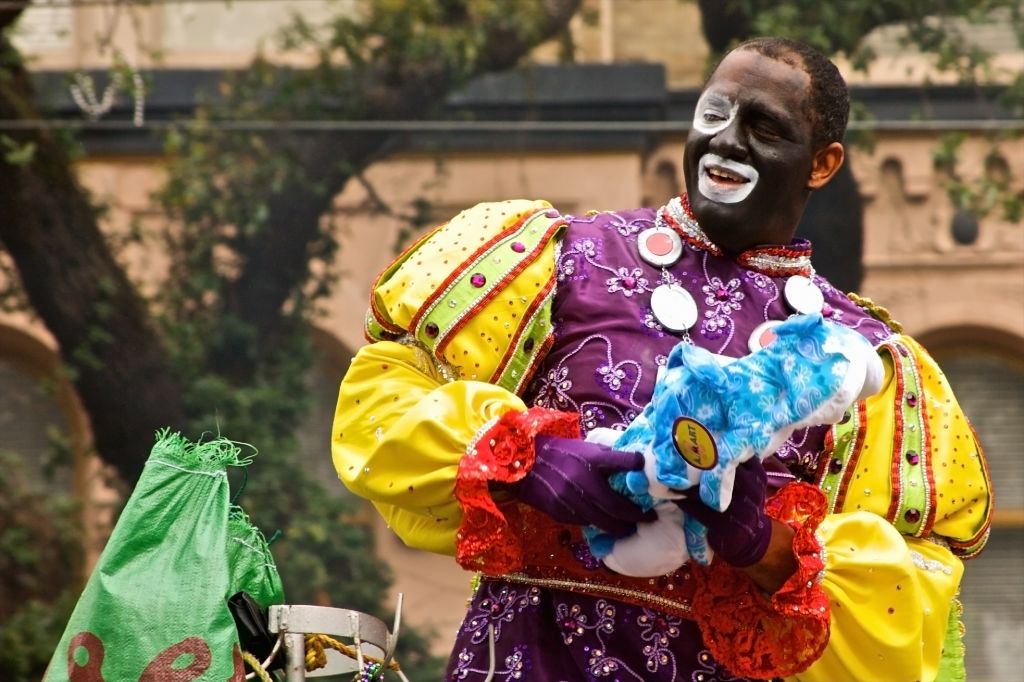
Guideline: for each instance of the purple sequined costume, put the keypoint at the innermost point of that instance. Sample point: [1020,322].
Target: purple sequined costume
[603,365]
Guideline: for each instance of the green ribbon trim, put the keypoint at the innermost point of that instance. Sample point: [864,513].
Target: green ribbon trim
[914,491]
[844,438]
[497,265]
[537,329]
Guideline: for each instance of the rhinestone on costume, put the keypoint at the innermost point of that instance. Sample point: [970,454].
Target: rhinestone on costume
[913,457]
[432,329]
[911,400]
[659,246]
[912,516]
[477,280]
[518,247]
[674,307]
[528,345]
[835,466]
[803,295]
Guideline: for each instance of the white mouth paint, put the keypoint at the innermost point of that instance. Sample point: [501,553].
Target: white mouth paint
[714,113]
[725,192]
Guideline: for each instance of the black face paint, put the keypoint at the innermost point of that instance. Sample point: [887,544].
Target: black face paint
[750,152]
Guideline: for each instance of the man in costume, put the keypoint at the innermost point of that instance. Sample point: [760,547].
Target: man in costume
[506,335]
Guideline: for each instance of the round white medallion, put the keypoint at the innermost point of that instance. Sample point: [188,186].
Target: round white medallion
[659,246]
[674,307]
[762,335]
[803,296]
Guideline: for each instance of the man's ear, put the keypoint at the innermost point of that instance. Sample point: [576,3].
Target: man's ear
[827,161]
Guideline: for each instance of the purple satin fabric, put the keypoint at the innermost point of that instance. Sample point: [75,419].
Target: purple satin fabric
[603,365]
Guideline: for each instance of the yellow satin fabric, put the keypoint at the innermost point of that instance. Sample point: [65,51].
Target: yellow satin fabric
[399,433]
[890,600]
[962,488]
[871,568]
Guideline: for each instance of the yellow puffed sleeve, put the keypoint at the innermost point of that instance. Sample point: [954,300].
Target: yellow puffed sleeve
[909,455]
[457,324]
[399,432]
[909,496]
[890,600]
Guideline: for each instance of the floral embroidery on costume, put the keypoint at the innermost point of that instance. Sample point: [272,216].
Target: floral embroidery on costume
[722,300]
[629,281]
[619,379]
[657,630]
[571,260]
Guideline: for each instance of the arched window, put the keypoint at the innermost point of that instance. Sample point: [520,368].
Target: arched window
[33,424]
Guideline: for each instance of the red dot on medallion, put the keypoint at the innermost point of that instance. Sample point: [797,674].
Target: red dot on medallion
[659,243]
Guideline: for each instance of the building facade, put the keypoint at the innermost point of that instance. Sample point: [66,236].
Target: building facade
[954,280]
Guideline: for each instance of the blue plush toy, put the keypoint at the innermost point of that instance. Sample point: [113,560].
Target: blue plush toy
[710,413]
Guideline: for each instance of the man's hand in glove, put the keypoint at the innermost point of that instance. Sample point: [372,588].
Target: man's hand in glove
[744,535]
[569,483]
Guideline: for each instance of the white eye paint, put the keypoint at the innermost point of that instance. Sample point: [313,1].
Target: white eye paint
[723,180]
[714,113]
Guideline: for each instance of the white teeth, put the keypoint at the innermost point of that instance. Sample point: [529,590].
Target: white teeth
[721,173]
[713,169]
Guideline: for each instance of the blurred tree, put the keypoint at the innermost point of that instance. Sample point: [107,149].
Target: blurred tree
[225,345]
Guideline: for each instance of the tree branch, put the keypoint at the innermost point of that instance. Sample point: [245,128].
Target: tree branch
[71,279]
[10,12]
[277,262]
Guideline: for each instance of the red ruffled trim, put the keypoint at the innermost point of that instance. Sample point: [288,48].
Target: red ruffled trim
[766,636]
[486,540]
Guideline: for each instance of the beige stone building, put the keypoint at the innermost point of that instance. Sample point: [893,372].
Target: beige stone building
[954,281]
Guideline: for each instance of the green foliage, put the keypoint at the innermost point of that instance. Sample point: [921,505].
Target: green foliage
[990,193]
[936,28]
[243,370]
[40,568]
[15,153]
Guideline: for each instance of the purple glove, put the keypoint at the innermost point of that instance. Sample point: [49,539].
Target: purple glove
[740,534]
[569,483]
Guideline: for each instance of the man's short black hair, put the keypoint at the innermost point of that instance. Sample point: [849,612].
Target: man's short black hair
[829,99]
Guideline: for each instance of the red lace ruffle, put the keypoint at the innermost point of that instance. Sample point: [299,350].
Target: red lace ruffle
[766,636]
[486,540]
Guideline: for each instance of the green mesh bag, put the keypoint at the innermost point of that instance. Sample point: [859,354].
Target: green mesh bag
[155,607]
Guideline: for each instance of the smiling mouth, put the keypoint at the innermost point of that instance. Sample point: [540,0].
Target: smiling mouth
[725,176]
[724,180]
